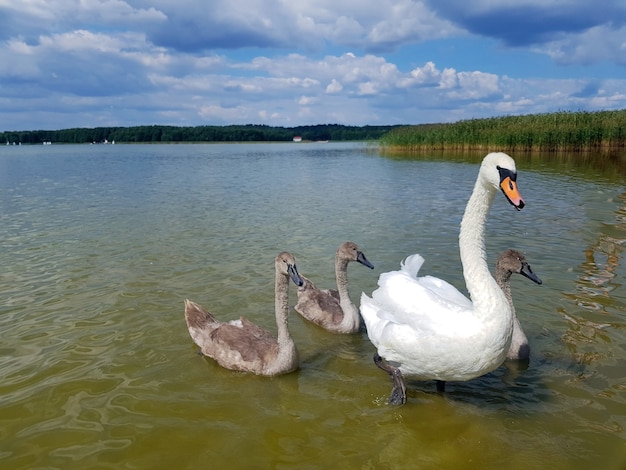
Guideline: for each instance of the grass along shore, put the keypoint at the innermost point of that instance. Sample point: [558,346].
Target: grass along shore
[554,132]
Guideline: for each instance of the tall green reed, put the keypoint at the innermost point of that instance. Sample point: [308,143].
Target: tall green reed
[572,131]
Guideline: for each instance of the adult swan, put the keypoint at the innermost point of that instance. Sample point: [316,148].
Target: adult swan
[423,327]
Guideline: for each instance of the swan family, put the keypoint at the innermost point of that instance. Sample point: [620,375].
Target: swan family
[421,326]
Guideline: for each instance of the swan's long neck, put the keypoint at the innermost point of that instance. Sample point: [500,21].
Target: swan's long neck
[350,312]
[481,285]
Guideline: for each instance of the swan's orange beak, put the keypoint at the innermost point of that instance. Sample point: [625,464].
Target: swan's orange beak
[509,188]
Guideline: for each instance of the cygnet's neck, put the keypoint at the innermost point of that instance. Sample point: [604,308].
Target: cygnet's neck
[351,318]
[281,308]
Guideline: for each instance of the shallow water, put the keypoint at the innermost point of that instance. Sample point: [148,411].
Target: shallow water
[101,245]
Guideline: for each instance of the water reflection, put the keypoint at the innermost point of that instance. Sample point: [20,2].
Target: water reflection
[599,311]
[602,259]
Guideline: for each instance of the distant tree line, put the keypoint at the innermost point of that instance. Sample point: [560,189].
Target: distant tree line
[243,133]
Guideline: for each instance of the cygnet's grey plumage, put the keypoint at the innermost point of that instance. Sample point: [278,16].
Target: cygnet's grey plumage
[329,308]
[242,345]
[509,262]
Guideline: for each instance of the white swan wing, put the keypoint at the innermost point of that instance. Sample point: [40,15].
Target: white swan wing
[410,298]
[422,345]
[406,309]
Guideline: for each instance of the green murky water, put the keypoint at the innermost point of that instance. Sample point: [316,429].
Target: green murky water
[100,245]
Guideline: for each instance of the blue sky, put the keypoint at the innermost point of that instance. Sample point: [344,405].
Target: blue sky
[91,63]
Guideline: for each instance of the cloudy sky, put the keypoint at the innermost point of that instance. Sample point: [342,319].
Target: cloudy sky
[90,63]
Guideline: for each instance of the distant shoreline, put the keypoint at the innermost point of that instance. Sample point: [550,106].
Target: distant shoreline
[198,134]
[582,131]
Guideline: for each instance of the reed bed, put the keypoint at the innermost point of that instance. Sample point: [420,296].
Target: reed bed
[553,132]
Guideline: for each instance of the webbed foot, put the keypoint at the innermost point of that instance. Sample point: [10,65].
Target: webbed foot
[398,393]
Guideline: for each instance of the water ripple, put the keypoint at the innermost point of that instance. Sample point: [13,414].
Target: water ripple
[101,247]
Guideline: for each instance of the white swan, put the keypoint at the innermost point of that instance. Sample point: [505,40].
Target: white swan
[242,345]
[512,261]
[332,309]
[424,327]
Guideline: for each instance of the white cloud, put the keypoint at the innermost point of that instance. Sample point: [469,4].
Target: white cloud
[334,87]
[71,62]
[367,88]
[600,43]
[476,85]
[221,114]
[448,79]
[408,21]
[267,116]
[306,100]
[426,75]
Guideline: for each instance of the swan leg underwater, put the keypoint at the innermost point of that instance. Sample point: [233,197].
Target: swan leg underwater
[242,345]
[329,308]
[425,327]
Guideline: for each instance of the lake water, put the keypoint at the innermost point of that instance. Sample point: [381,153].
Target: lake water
[101,244]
